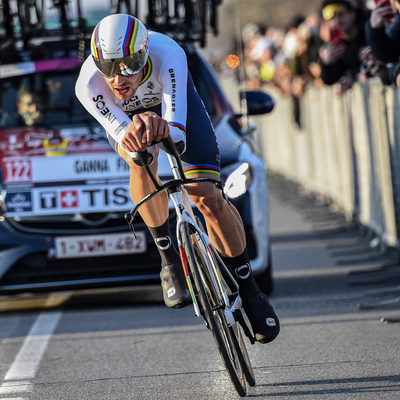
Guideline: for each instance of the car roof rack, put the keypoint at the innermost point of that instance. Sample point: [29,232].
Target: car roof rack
[27,34]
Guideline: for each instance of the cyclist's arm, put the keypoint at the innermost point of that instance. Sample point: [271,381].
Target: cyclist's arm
[98,99]
[173,76]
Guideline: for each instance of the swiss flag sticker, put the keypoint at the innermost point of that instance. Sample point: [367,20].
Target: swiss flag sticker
[69,199]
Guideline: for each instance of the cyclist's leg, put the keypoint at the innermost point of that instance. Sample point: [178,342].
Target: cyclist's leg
[224,224]
[201,159]
[155,214]
[155,211]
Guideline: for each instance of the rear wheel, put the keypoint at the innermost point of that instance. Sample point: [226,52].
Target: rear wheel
[212,308]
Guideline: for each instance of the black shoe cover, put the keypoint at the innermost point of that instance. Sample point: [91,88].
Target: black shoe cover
[262,317]
[175,290]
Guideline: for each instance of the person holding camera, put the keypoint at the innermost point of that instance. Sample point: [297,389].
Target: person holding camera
[383,36]
[342,30]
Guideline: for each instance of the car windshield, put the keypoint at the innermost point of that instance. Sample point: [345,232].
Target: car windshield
[44,99]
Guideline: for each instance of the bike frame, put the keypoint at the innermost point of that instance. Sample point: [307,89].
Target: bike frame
[185,216]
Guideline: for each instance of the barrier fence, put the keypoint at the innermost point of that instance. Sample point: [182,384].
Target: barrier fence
[345,149]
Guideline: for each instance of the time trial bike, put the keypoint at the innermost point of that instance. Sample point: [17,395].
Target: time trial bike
[213,289]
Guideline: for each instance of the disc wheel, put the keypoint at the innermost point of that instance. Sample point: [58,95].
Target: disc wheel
[212,309]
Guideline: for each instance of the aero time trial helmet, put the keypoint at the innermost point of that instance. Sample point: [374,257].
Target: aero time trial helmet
[120,45]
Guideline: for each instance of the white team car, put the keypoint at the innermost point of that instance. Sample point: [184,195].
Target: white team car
[64,191]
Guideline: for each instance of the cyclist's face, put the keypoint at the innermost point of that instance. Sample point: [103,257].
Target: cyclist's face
[124,87]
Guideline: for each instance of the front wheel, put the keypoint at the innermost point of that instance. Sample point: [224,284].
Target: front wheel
[243,356]
[212,307]
[237,329]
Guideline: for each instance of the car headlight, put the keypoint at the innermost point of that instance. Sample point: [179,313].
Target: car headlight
[238,178]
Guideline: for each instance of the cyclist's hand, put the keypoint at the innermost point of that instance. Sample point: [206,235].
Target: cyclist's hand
[143,130]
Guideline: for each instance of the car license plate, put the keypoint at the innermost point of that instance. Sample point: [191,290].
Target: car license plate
[96,245]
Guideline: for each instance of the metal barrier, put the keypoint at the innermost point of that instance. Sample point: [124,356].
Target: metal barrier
[346,149]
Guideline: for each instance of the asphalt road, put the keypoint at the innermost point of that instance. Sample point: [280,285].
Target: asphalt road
[125,344]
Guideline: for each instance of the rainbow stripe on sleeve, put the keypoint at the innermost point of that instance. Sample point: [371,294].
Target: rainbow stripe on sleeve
[202,169]
[179,126]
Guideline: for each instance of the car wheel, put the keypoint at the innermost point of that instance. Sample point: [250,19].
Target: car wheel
[264,280]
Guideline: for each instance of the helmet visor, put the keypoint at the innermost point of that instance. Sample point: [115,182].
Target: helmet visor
[126,66]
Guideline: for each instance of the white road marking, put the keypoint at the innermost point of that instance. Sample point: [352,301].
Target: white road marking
[15,387]
[29,356]
[14,398]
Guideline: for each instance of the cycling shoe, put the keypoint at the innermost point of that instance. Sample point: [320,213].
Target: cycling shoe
[175,290]
[262,317]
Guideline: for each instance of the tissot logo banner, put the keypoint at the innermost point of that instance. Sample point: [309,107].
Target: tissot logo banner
[82,199]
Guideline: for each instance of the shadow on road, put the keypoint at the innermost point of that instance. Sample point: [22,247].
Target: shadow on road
[348,386]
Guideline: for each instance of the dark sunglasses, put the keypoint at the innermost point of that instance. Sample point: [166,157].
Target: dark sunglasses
[126,66]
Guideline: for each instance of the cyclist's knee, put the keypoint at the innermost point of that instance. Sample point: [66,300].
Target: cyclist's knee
[211,203]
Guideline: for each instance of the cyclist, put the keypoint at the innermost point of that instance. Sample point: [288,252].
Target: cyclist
[137,85]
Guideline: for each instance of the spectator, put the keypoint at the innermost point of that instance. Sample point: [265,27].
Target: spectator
[343,32]
[252,42]
[267,66]
[282,79]
[382,31]
[371,66]
[314,41]
[30,107]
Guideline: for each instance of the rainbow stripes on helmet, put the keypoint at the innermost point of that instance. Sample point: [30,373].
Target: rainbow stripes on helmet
[116,36]
[128,46]
[96,49]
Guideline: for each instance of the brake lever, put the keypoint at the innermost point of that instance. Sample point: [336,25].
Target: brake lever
[129,217]
[142,158]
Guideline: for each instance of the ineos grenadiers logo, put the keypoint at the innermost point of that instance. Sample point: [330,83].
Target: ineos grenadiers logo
[103,109]
[173,86]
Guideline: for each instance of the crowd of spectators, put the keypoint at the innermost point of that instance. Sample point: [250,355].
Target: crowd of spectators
[342,42]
